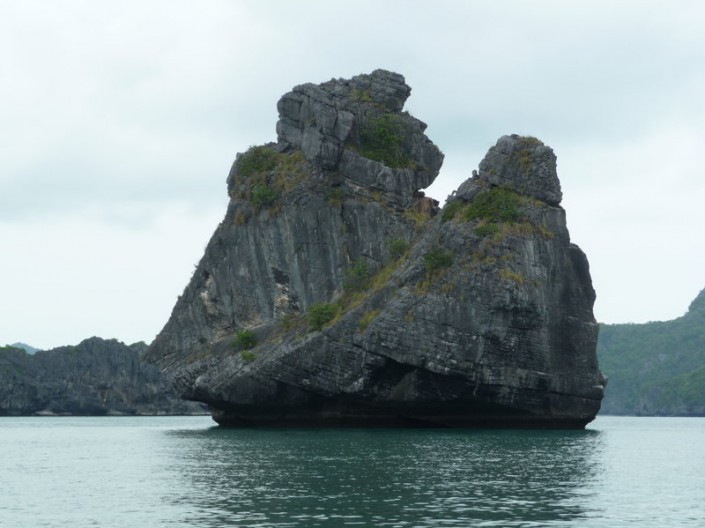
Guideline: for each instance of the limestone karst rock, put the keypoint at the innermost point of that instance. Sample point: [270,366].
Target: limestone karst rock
[335,293]
[96,377]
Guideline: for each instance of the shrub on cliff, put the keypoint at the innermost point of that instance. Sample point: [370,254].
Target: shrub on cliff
[248,356]
[381,140]
[398,247]
[437,258]
[357,277]
[450,209]
[244,340]
[320,314]
[263,196]
[496,205]
[257,159]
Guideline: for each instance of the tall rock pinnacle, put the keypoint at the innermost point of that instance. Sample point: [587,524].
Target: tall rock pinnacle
[335,293]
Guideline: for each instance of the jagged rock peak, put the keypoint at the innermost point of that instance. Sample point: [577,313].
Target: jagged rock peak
[333,294]
[381,87]
[344,124]
[302,106]
[524,164]
[96,377]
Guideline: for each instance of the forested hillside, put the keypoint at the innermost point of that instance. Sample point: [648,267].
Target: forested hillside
[656,368]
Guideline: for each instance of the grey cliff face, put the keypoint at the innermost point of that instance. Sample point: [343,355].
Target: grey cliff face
[525,165]
[324,121]
[95,377]
[335,293]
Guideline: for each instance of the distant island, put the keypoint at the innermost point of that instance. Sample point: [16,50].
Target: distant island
[24,346]
[95,377]
[335,293]
[655,369]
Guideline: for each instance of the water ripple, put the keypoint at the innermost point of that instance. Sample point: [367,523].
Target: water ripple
[181,472]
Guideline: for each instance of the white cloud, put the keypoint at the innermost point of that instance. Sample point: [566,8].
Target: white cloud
[94,274]
[635,209]
[119,119]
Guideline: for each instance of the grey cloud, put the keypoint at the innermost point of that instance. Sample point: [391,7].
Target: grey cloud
[133,108]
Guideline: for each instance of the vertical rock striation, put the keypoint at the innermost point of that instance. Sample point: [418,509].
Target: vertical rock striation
[95,377]
[335,293]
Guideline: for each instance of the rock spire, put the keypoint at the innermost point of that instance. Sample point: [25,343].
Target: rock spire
[335,293]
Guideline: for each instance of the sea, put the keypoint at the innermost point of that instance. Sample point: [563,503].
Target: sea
[186,472]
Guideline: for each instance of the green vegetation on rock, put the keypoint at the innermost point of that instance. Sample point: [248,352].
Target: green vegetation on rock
[263,196]
[367,318]
[361,96]
[295,254]
[510,275]
[491,208]
[398,247]
[418,218]
[256,160]
[495,205]
[263,175]
[486,229]
[451,209]
[248,356]
[357,277]
[244,340]
[437,261]
[320,314]
[437,258]
[382,138]
[497,212]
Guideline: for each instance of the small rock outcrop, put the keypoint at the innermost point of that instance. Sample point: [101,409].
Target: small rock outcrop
[335,293]
[95,377]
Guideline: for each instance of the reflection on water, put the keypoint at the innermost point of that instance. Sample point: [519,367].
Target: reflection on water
[173,472]
[288,478]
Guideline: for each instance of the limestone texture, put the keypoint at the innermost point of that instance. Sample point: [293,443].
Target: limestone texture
[96,377]
[334,293]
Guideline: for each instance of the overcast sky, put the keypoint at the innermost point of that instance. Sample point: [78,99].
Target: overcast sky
[119,121]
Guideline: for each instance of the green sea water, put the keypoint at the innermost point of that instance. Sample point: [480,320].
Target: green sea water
[185,472]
